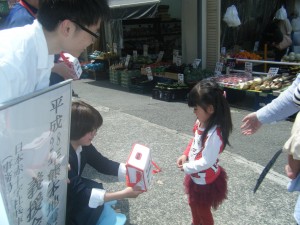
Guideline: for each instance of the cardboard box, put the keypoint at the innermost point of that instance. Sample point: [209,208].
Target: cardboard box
[139,167]
[73,63]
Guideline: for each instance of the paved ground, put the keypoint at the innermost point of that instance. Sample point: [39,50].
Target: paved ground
[166,128]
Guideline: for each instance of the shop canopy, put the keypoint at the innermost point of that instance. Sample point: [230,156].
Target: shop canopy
[133,9]
[130,3]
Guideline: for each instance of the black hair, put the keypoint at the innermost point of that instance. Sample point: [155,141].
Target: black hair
[84,12]
[206,93]
[84,119]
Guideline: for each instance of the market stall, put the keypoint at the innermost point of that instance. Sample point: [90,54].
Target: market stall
[262,86]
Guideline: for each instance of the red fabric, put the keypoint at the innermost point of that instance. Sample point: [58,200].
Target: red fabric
[187,149]
[201,214]
[203,197]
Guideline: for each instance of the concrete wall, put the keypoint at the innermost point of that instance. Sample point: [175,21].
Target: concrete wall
[189,30]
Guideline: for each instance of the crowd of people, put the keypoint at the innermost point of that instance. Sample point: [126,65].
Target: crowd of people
[35,31]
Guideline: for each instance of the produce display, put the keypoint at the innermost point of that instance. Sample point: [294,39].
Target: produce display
[246,55]
[233,80]
[293,70]
[102,55]
[268,84]
[142,60]
[265,84]
[194,75]
[291,57]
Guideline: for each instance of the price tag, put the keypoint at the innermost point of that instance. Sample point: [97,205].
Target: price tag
[223,51]
[127,60]
[179,60]
[248,67]
[115,48]
[175,54]
[218,69]
[196,63]
[134,54]
[149,73]
[272,71]
[160,56]
[145,50]
[181,78]
[256,45]
[230,63]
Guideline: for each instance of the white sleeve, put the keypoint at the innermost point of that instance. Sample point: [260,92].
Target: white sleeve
[281,107]
[122,172]
[97,198]
[11,79]
[296,97]
[210,155]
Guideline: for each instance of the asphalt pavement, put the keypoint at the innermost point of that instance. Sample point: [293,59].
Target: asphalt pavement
[166,128]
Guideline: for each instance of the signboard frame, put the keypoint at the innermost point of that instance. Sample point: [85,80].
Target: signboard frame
[34,138]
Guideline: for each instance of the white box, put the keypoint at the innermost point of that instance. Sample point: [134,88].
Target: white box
[73,62]
[139,167]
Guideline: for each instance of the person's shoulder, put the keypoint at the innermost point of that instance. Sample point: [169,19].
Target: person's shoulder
[90,147]
[17,6]
[18,17]
[18,11]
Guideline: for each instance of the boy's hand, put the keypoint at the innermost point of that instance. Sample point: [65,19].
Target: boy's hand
[132,192]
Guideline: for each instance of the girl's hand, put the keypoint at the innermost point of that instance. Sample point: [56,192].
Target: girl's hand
[180,161]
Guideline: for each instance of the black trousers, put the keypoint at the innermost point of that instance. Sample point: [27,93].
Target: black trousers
[83,215]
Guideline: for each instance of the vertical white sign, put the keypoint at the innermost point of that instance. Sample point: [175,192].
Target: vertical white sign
[145,50]
[181,78]
[127,60]
[175,55]
[149,73]
[115,48]
[196,63]
[34,137]
[134,55]
[248,67]
[218,69]
[179,60]
[160,56]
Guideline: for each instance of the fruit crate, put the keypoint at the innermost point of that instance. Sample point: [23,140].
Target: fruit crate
[140,89]
[127,75]
[115,76]
[141,85]
[170,95]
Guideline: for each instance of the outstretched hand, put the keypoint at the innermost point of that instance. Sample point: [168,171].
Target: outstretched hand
[133,192]
[250,124]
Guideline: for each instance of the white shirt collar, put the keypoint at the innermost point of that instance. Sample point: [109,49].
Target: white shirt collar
[41,44]
[78,150]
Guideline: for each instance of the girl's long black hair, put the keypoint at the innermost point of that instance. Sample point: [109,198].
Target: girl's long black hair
[205,93]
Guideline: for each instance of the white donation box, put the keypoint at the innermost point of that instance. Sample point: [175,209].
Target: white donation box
[139,167]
